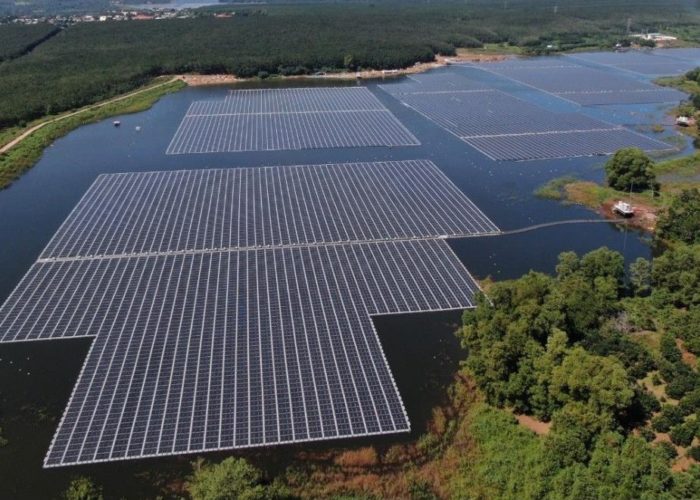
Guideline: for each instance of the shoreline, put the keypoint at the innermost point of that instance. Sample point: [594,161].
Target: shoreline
[196,80]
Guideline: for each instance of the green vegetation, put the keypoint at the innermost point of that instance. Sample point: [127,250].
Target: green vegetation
[681,221]
[231,479]
[555,189]
[689,83]
[90,62]
[563,349]
[24,155]
[18,39]
[83,488]
[630,169]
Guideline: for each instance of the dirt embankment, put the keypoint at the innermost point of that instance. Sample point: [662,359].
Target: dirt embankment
[440,61]
[645,216]
[603,199]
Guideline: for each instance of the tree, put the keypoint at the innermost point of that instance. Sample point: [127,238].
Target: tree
[598,381]
[675,276]
[682,219]
[82,488]
[630,169]
[640,276]
[683,434]
[232,479]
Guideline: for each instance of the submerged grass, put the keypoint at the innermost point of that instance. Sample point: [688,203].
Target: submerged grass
[555,189]
[26,153]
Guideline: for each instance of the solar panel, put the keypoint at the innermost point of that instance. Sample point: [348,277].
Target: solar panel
[289,119]
[646,63]
[217,350]
[690,54]
[657,95]
[217,326]
[563,145]
[584,85]
[142,213]
[434,83]
[495,113]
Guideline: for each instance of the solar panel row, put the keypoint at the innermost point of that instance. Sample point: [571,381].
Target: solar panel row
[234,349]
[569,79]
[646,63]
[563,145]
[294,131]
[582,84]
[652,96]
[142,213]
[495,113]
[289,119]
[434,83]
[303,100]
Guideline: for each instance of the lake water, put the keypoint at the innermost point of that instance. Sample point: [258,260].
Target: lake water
[36,378]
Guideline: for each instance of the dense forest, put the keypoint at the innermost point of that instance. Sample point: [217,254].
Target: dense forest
[17,40]
[92,61]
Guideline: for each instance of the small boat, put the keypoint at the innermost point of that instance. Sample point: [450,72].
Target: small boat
[623,208]
[116,123]
[138,128]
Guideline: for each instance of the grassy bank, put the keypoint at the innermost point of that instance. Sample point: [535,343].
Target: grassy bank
[26,153]
[674,176]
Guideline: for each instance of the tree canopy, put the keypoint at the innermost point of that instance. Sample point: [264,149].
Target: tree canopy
[681,222]
[630,169]
[231,479]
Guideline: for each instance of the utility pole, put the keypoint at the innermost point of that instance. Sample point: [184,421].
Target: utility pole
[629,25]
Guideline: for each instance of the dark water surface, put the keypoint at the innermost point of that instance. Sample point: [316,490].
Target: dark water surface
[36,378]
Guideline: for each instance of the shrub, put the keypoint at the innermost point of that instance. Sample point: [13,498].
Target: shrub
[232,478]
[363,457]
[668,450]
[682,435]
[82,488]
[694,453]
[647,434]
[690,402]
[660,423]
[630,169]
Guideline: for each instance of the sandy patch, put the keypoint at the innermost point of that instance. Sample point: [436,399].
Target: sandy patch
[537,426]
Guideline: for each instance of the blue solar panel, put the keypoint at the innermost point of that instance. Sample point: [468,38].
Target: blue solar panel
[289,119]
[563,145]
[220,350]
[582,84]
[652,96]
[217,326]
[434,83]
[141,213]
[494,113]
[646,63]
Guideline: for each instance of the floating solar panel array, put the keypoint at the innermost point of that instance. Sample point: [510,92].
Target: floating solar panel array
[434,83]
[582,84]
[289,119]
[690,54]
[214,343]
[504,127]
[143,213]
[654,63]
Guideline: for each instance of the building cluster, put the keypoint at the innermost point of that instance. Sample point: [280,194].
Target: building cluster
[117,15]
